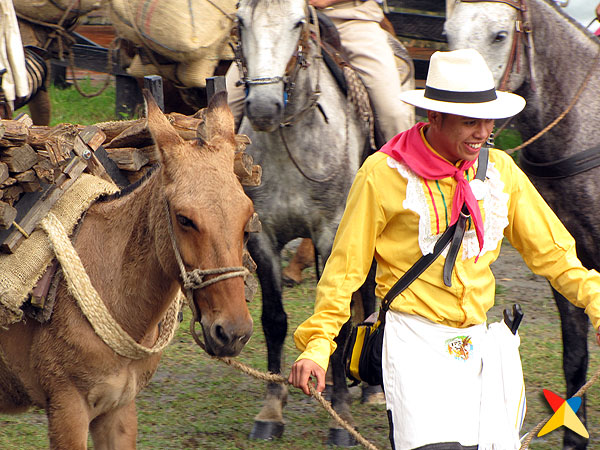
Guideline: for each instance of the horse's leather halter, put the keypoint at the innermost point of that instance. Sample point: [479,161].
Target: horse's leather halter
[565,167]
[297,62]
[522,35]
[194,279]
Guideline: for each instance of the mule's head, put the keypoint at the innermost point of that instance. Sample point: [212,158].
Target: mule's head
[489,28]
[269,31]
[208,210]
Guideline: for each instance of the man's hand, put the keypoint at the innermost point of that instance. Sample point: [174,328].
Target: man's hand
[302,370]
[598,337]
[323,3]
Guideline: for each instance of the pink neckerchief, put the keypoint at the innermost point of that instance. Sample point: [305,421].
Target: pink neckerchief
[410,147]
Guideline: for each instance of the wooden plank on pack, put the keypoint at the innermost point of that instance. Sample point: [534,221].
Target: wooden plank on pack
[38,211]
[82,148]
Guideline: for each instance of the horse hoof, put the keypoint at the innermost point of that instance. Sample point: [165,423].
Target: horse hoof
[372,395]
[341,438]
[266,431]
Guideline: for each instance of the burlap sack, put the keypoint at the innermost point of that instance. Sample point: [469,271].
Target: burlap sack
[52,11]
[20,271]
[194,34]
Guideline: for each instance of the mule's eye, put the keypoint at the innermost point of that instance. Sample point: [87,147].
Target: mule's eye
[185,222]
[500,37]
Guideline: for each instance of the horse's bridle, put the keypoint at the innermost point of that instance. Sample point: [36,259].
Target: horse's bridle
[297,62]
[193,280]
[522,35]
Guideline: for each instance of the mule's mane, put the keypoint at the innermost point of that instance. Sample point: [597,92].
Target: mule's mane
[129,188]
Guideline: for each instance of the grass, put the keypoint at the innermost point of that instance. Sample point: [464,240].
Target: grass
[195,402]
[68,106]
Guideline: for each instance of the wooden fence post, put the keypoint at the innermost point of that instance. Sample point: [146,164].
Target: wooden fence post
[214,85]
[154,83]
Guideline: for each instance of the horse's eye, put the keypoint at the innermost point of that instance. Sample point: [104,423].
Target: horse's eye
[185,222]
[300,24]
[500,37]
[240,22]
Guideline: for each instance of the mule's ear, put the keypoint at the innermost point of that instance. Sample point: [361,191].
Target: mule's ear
[218,118]
[162,131]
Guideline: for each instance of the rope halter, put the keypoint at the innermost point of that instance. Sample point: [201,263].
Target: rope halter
[195,279]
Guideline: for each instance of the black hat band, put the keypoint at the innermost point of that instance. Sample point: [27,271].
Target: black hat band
[460,97]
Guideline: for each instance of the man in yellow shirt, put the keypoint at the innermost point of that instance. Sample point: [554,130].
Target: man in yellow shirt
[439,356]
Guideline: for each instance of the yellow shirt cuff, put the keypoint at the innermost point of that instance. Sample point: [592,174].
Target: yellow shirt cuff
[318,350]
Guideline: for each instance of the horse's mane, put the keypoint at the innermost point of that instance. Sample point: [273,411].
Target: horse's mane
[129,188]
[570,19]
[253,3]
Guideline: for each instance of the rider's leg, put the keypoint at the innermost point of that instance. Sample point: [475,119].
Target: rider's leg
[235,93]
[370,53]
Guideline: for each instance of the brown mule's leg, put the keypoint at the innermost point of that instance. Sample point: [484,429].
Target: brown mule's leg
[116,429]
[68,421]
[304,257]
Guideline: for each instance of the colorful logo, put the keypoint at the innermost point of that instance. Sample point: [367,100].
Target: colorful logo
[564,414]
[460,347]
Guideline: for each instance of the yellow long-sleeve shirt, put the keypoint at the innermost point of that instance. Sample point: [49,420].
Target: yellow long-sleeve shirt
[395,216]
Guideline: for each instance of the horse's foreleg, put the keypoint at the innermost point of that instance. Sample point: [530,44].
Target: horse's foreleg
[116,429]
[574,324]
[269,424]
[68,420]
[340,399]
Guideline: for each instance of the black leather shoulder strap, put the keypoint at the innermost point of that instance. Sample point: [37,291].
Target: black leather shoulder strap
[426,260]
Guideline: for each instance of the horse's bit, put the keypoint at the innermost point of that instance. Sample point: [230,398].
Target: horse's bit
[297,62]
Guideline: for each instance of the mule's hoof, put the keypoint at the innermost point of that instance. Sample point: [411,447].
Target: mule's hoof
[341,438]
[372,395]
[288,281]
[266,431]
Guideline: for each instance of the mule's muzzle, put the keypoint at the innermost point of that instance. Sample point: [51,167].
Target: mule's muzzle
[225,339]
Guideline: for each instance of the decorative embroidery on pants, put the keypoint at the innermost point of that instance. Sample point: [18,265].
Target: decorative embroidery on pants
[460,347]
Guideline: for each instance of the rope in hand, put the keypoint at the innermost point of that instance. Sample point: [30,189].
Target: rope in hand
[276,378]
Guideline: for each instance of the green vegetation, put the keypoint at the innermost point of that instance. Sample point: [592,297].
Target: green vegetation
[69,106]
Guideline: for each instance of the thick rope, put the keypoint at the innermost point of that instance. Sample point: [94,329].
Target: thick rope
[92,305]
[275,378]
[533,433]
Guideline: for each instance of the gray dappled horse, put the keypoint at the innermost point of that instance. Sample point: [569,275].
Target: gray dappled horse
[308,165]
[548,68]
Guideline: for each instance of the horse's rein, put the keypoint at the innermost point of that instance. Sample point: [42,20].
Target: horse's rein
[194,279]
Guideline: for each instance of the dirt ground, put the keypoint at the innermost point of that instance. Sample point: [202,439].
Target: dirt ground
[517,284]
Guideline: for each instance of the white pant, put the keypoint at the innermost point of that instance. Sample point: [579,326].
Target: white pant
[439,389]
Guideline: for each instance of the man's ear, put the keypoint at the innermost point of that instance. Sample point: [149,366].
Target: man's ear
[434,116]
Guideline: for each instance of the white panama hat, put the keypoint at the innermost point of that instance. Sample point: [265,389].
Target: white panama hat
[460,82]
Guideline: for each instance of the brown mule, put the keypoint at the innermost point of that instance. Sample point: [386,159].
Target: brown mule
[193,206]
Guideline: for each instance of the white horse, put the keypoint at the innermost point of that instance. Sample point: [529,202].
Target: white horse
[536,50]
[309,140]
